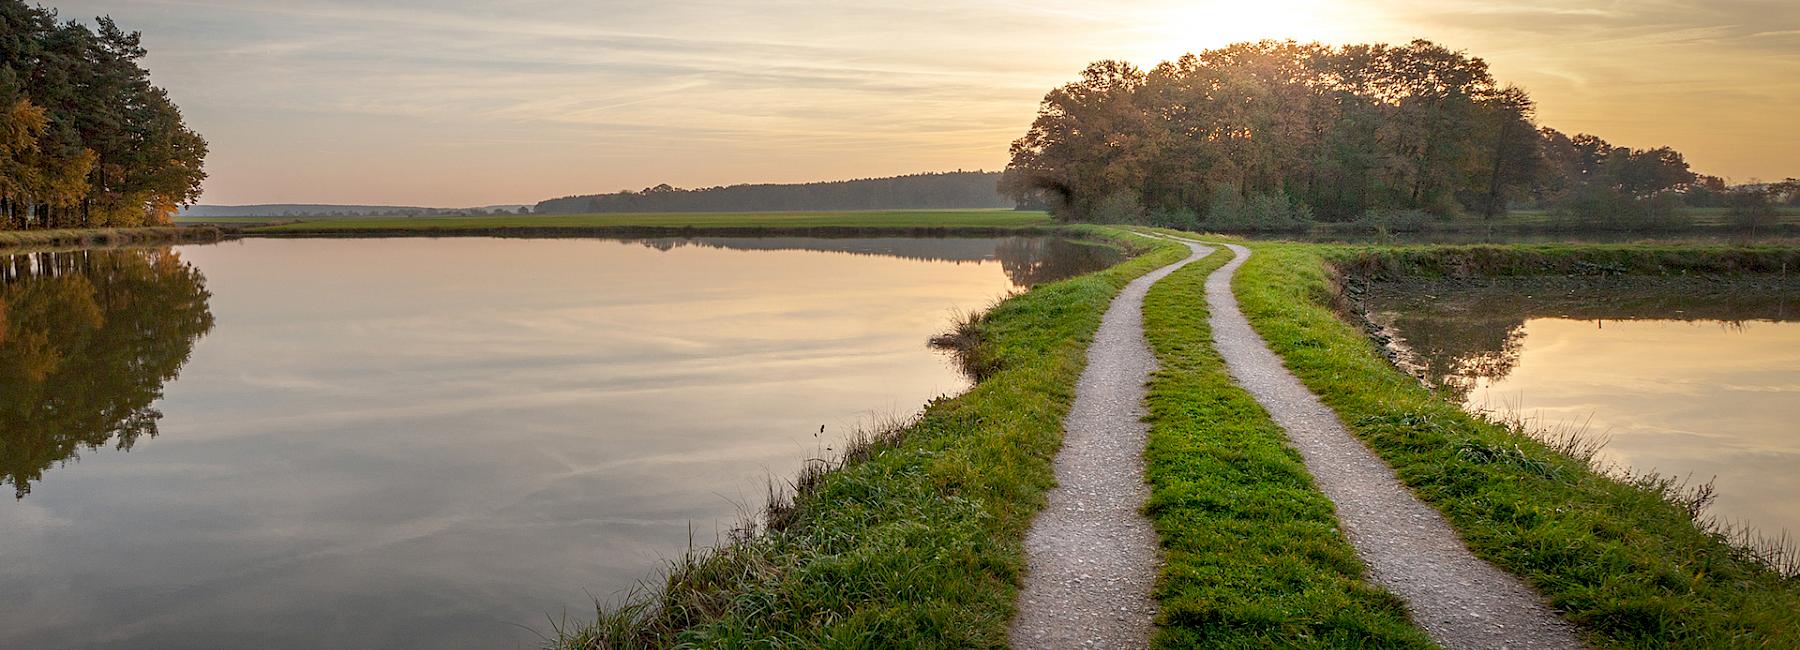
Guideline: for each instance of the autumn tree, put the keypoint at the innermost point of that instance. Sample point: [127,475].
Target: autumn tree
[1277,133]
[90,141]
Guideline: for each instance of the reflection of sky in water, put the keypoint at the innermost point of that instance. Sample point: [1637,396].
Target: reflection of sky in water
[408,442]
[1699,398]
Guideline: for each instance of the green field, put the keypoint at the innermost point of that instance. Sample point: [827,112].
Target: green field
[768,220]
[230,220]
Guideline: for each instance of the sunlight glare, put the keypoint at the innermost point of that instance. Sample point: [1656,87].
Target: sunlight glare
[1170,29]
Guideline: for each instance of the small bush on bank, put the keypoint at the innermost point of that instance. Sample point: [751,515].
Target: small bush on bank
[1751,209]
[1608,210]
[1181,218]
[1118,207]
[1387,220]
[1262,212]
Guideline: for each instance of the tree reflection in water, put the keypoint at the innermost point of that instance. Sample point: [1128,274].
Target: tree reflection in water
[1027,261]
[1031,261]
[1463,334]
[87,340]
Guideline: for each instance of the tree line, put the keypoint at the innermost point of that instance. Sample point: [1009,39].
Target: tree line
[85,139]
[331,210]
[1279,134]
[947,190]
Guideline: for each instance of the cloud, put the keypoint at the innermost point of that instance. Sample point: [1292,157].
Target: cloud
[711,92]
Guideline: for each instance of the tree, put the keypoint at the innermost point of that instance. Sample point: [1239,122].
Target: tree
[1516,158]
[1283,127]
[110,148]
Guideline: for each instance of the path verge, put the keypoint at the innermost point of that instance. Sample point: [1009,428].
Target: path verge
[1091,553]
[1252,553]
[1461,601]
[1622,557]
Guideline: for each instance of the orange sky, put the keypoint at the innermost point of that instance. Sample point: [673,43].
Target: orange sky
[457,102]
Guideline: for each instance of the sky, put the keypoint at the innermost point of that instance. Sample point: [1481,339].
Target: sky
[455,103]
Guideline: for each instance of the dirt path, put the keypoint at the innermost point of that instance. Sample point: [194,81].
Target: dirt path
[1091,554]
[1457,598]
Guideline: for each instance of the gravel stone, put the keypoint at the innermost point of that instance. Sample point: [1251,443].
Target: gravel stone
[1091,554]
[1459,600]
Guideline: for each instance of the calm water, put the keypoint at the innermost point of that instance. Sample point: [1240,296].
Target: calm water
[1689,381]
[432,443]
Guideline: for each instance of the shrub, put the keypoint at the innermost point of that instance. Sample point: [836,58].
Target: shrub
[1396,220]
[1118,207]
[1263,212]
[1605,209]
[1181,218]
[1751,208]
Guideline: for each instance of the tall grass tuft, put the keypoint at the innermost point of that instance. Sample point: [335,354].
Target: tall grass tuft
[1577,439]
[968,343]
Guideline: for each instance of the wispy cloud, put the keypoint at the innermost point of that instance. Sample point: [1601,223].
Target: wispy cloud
[465,102]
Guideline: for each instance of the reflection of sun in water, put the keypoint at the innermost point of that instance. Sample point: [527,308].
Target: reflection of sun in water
[1169,29]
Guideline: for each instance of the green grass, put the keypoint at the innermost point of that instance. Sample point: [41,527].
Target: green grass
[872,219]
[918,540]
[1625,562]
[1561,259]
[1704,217]
[1253,555]
[229,220]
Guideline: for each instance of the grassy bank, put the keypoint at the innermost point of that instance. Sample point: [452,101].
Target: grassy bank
[82,237]
[1624,558]
[657,224]
[1254,558]
[1561,259]
[916,540]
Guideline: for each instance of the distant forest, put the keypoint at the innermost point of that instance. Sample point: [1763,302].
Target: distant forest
[1279,135]
[85,139]
[330,210]
[948,190]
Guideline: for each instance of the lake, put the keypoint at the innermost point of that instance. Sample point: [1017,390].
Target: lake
[1693,377]
[434,442]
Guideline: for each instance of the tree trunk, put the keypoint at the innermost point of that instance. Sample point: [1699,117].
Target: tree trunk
[1492,208]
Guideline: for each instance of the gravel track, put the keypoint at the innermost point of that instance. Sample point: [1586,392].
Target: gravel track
[1460,600]
[1091,554]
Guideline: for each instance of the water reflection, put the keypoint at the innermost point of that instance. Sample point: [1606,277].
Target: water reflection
[1463,333]
[435,443]
[1027,261]
[1694,377]
[87,339]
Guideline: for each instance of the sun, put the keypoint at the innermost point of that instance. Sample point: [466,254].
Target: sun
[1170,29]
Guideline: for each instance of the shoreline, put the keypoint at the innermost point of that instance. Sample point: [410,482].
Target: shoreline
[659,232]
[31,241]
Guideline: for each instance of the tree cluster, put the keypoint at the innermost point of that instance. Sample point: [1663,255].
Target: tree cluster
[948,190]
[85,139]
[1278,134]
